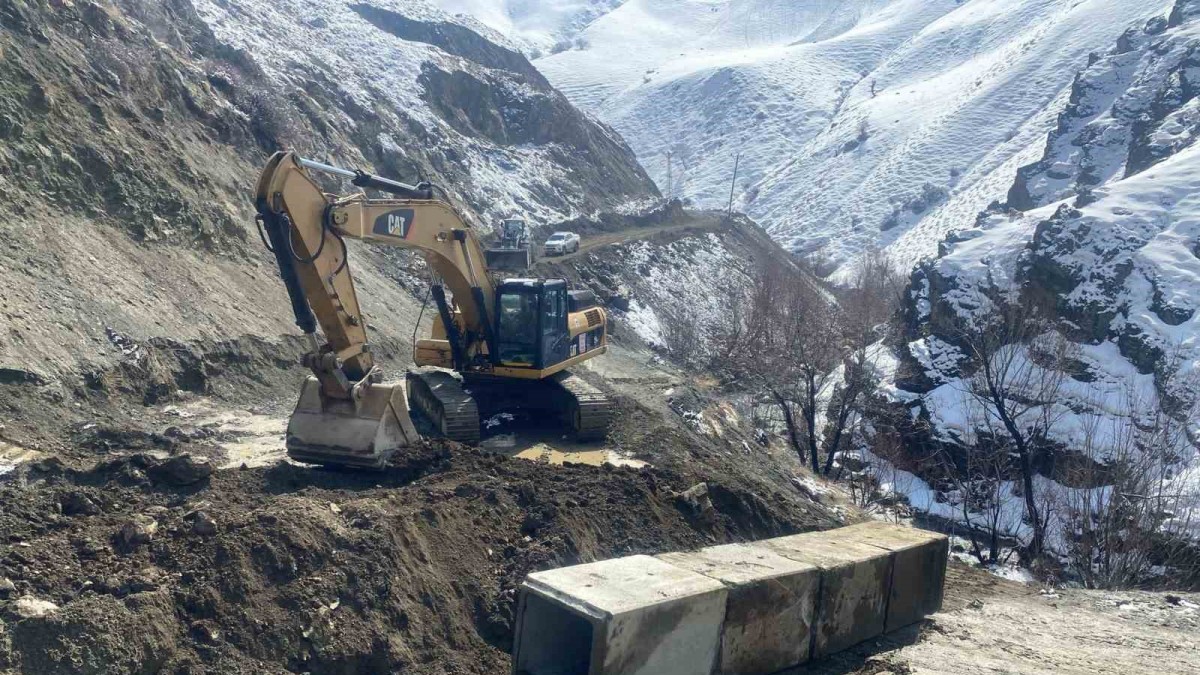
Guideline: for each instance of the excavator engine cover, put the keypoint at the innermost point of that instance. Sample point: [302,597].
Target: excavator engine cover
[362,433]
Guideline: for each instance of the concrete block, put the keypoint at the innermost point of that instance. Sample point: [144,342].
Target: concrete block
[768,616]
[855,579]
[918,568]
[628,616]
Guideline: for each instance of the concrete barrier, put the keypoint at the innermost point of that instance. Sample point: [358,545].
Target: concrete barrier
[633,616]
[851,604]
[768,616]
[918,568]
[749,609]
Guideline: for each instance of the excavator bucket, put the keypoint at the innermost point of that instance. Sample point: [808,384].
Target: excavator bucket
[361,433]
[507,259]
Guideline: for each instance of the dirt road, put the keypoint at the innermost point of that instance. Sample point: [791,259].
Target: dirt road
[989,625]
[1066,632]
[592,242]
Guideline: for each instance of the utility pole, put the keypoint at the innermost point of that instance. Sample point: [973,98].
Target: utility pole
[733,184]
[670,179]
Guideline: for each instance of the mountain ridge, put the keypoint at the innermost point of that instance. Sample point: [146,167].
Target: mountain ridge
[859,124]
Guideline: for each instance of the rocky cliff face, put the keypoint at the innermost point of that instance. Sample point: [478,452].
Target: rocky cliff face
[1100,236]
[131,133]
[1099,229]
[1128,110]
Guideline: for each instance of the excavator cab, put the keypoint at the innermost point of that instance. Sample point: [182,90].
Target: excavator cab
[531,323]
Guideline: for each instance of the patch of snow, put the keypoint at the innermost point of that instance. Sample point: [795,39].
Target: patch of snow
[937,356]
[1010,521]
[29,607]
[645,324]
[1013,573]
[683,279]
[810,486]
[497,420]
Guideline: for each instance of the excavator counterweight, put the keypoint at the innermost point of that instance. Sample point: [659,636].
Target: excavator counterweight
[517,335]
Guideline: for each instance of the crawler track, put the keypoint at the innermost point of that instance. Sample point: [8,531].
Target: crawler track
[455,407]
[586,409]
[444,401]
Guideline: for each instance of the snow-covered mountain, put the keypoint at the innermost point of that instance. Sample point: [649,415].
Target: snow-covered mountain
[536,26]
[1100,235]
[859,122]
[440,96]
[1104,227]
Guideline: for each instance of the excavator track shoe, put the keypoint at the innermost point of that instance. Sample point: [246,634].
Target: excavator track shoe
[441,397]
[588,411]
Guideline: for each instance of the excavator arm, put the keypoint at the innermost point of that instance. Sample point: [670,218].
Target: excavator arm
[306,229]
[346,415]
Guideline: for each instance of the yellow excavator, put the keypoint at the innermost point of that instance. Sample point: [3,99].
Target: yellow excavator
[509,342]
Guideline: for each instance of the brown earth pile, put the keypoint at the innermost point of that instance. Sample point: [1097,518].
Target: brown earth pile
[165,566]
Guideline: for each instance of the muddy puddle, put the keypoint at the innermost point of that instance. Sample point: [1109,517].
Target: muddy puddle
[245,438]
[260,442]
[514,445]
[548,455]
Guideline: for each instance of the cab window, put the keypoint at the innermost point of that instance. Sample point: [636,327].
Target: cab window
[517,341]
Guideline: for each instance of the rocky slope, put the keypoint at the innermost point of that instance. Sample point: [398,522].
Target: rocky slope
[132,134]
[1099,235]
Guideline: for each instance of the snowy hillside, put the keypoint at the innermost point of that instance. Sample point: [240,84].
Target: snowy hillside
[536,26]
[421,89]
[859,122]
[134,129]
[1101,234]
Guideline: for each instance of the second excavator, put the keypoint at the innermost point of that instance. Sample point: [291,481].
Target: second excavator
[508,342]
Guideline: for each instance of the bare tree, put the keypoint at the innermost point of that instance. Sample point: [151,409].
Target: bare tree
[879,484]
[786,347]
[978,468]
[1129,511]
[874,293]
[812,360]
[869,303]
[1020,368]
[843,411]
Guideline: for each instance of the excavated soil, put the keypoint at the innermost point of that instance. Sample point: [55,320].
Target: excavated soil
[165,566]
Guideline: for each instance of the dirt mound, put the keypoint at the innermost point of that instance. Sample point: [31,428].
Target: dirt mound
[296,569]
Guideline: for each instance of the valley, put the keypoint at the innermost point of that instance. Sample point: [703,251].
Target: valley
[956,289]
